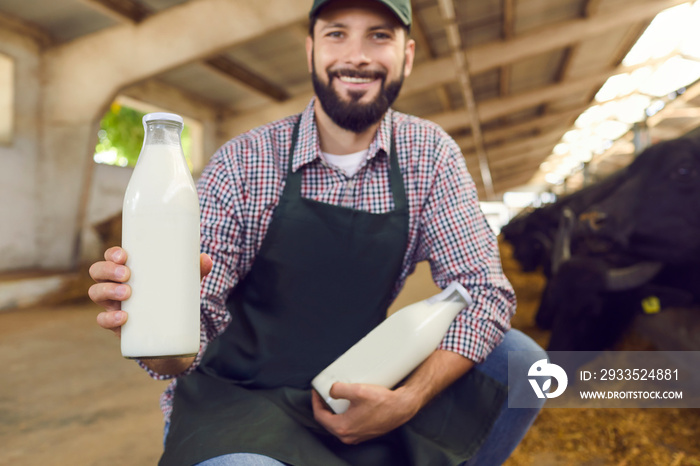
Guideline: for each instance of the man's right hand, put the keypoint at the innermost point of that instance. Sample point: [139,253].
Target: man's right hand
[110,287]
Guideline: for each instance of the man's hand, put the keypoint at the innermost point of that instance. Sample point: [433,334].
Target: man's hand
[376,410]
[110,289]
[373,411]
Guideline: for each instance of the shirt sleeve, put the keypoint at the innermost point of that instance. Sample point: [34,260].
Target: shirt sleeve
[460,246]
[221,195]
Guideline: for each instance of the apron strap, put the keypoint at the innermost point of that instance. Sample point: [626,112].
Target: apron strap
[293,184]
[395,178]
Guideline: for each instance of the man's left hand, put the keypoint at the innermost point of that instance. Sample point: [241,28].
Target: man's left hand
[373,411]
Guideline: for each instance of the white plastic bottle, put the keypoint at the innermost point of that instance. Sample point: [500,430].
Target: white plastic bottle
[395,347]
[160,234]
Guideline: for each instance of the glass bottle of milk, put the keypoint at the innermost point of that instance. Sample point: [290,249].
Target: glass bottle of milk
[160,235]
[395,347]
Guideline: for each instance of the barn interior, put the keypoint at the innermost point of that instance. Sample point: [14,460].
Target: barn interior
[544,97]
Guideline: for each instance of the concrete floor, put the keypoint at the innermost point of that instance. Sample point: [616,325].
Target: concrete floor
[67,397]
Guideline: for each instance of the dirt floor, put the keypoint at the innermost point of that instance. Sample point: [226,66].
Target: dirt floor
[615,437]
[67,397]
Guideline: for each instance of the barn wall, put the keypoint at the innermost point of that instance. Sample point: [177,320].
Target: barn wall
[19,158]
[21,167]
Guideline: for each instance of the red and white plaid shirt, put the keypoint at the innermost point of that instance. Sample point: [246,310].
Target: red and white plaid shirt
[243,182]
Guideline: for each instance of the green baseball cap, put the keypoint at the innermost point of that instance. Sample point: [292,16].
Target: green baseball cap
[401,8]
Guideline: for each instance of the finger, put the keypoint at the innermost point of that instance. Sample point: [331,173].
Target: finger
[116,254]
[318,404]
[109,293]
[322,414]
[112,320]
[107,271]
[205,265]
[111,305]
[348,391]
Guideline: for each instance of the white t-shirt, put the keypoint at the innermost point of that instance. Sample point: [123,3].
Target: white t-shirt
[349,163]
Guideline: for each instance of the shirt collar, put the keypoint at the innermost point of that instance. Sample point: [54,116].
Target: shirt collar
[309,147]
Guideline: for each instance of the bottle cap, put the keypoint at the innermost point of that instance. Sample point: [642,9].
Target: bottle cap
[162,116]
[454,292]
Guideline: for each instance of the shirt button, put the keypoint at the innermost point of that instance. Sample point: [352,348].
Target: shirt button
[349,195]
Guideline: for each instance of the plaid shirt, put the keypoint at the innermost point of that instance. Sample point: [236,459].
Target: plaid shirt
[243,182]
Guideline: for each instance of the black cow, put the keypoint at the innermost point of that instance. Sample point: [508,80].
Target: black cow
[532,233]
[641,240]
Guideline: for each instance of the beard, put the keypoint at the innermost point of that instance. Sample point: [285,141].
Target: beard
[353,115]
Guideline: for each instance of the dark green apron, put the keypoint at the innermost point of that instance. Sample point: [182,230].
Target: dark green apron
[322,280]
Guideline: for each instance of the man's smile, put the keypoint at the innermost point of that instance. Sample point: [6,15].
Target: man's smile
[355,80]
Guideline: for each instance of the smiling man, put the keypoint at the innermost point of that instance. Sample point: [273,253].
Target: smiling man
[362,67]
[310,226]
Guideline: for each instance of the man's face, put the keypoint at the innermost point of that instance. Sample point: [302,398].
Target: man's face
[358,58]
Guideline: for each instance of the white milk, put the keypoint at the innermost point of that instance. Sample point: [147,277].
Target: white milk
[161,237]
[395,347]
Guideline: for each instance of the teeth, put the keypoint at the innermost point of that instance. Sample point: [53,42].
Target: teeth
[349,79]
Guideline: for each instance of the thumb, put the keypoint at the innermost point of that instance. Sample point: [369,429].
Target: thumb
[342,390]
[205,265]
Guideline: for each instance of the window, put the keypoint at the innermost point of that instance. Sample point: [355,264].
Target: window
[121,136]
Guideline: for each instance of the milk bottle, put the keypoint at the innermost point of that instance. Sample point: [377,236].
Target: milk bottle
[395,347]
[160,234]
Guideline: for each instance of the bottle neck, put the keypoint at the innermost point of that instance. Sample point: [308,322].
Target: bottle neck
[453,293]
[163,132]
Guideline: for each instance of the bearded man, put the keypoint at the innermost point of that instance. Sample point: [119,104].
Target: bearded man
[310,226]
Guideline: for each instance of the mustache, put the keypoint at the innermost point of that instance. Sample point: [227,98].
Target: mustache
[362,74]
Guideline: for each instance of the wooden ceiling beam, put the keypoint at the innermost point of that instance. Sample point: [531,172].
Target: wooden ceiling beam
[491,55]
[507,133]
[461,63]
[566,62]
[538,153]
[683,112]
[690,94]
[239,73]
[494,54]
[135,12]
[590,8]
[422,42]
[494,108]
[665,133]
[521,146]
[633,34]
[122,10]
[507,34]
[173,37]
[482,58]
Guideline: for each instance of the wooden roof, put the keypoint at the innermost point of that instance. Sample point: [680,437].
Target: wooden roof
[506,78]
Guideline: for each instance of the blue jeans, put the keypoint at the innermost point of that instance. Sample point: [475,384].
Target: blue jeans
[513,423]
[509,429]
